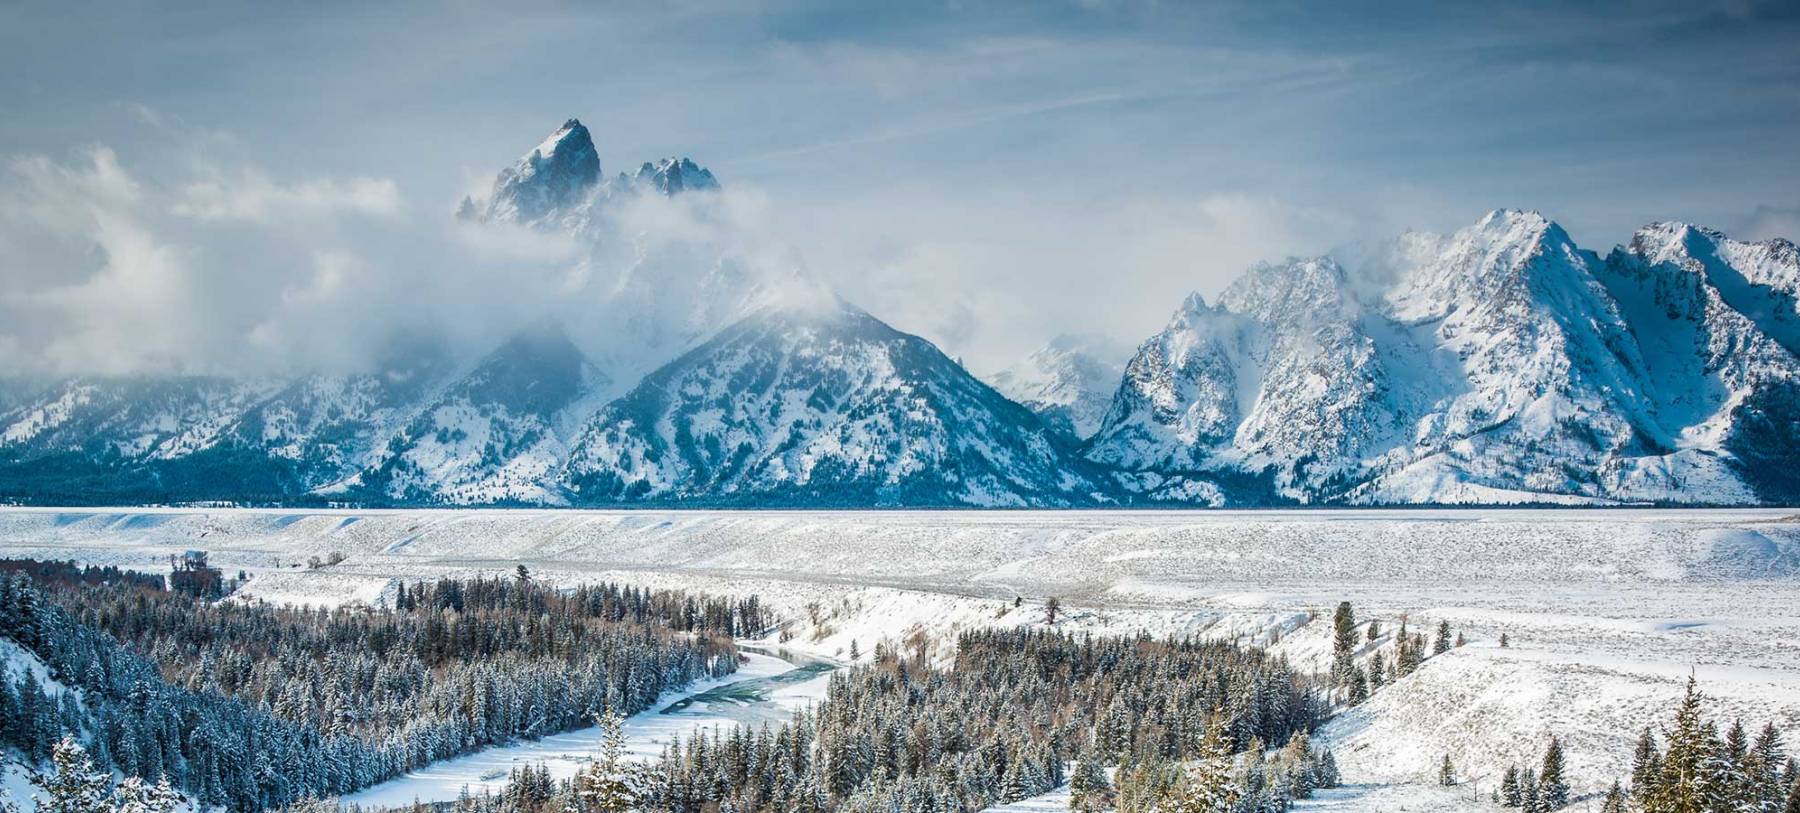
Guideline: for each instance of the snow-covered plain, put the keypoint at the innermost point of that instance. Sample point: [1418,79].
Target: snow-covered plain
[1607,611]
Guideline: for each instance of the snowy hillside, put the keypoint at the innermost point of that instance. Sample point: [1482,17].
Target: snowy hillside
[821,404]
[690,360]
[493,436]
[1606,612]
[1499,364]
[1069,382]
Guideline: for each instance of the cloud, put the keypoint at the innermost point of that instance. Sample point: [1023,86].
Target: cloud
[219,266]
[252,196]
[1770,222]
[991,275]
[107,272]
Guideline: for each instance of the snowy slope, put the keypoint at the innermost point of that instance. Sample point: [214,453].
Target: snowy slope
[824,404]
[1606,611]
[493,435]
[1069,382]
[1499,364]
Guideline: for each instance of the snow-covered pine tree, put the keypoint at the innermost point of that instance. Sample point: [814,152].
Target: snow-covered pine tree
[73,785]
[1089,790]
[1689,779]
[1646,764]
[1553,786]
[1442,644]
[1511,795]
[134,795]
[1615,801]
[603,786]
[1211,785]
[1343,643]
[1446,772]
[1763,769]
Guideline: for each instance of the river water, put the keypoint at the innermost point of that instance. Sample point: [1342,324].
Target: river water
[768,687]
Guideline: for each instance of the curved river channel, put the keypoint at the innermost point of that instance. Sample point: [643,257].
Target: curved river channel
[768,687]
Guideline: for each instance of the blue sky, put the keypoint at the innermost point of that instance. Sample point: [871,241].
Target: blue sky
[978,172]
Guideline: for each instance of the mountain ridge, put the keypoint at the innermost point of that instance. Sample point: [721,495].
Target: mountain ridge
[1502,363]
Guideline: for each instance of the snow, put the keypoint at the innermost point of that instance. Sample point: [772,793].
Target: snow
[1055,801]
[676,715]
[17,786]
[1396,799]
[17,781]
[1607,610]
[1501,364]
[1070,381]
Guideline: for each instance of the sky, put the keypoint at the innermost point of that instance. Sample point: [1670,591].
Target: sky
[206,186]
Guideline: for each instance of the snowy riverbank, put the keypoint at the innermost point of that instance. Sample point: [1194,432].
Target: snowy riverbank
[763,687]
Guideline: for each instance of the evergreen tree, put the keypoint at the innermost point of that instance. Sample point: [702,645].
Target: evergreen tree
[1646,764]
[1615,800]
[1553,788]
[1511,795]
[134,795]
[73,785]
[1089,790]
[1210,785]
[1763,769]
[1442,644]
[603,786]
[1446,772]
[1343,643]
[1359,686]
[1688,781]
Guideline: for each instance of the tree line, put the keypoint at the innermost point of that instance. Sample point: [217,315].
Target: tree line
[1181,717]
[248,706]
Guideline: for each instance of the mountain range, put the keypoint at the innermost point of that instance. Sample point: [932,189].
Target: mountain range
[1499,364]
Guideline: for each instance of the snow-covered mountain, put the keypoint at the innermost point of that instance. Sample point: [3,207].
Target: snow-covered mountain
[695,364]
[822,404]
[493,436]
[1499,364]
[1069,382]
[553,181]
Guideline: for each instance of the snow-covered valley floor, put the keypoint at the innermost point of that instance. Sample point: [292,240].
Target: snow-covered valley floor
[765,687]
[1607,611]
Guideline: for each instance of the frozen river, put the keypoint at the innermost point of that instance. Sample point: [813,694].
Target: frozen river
[767,688]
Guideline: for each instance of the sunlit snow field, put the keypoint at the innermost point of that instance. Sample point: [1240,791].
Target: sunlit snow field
[1608,611]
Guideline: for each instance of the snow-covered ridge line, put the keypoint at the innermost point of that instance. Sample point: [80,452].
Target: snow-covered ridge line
[1502,364]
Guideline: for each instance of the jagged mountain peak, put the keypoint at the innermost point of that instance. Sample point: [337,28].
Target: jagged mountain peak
[556,175]
[572,142]
[1774,263]
[1298,288]
[672,176]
